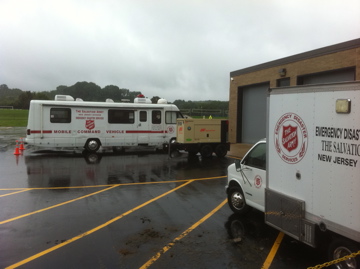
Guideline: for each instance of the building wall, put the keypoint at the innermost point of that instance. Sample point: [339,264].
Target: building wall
[305,66]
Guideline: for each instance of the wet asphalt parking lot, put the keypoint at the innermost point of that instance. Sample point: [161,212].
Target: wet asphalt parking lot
[138,209]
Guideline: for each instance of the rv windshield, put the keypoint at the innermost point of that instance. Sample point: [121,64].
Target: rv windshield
[171,116]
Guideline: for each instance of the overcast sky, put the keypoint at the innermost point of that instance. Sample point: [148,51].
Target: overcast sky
[172,49]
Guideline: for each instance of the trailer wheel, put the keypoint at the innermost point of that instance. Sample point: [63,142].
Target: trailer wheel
[92,145]
[236,201]
[341,247]
[206,151]
[221,150]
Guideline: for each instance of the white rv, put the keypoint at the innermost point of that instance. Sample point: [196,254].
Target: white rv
[305,176]
[66,122]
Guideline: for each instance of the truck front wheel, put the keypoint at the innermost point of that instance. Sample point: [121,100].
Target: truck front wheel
[237,201]
[92,145]
[341,247]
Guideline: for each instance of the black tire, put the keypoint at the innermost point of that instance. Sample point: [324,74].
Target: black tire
[206,151]
[341,247]
[236,201]
[221,150]
[92,145]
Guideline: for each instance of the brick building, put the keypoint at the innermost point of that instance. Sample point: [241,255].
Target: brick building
[249,86]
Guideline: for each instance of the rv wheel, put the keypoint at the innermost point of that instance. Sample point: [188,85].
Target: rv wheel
[92,145]
[341,247]
[237,201]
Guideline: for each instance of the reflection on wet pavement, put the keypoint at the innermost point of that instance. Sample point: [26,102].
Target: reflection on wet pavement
[46,169]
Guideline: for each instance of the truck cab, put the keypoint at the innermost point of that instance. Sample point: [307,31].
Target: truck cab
[246,180]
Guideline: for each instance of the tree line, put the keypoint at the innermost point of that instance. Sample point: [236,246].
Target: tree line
[89,91]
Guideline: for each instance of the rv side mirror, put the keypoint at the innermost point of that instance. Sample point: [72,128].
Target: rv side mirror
[238,165]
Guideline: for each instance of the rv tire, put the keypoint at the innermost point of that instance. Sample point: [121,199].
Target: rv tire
[92,145]
[340,247]
[236,201]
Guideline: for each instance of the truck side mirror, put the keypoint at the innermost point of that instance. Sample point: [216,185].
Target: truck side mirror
[238,165]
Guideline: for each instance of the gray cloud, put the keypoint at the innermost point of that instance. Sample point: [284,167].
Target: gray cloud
[173,49]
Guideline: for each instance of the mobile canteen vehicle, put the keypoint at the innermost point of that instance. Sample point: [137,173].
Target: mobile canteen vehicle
[65,123]
[306,176]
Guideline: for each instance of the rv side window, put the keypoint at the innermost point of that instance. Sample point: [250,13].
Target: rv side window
[143,116]
[120,116]
[60,115]
[257,157]
[156,116]
[171,116]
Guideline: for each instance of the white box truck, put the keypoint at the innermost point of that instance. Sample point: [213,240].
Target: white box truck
[68,123]
[305,176]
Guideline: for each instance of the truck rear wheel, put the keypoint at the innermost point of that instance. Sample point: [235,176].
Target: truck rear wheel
[221,150]
[341,247]
[206,151]
[92,145]
[237,201]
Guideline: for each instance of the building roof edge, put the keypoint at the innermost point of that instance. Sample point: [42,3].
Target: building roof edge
[301,56]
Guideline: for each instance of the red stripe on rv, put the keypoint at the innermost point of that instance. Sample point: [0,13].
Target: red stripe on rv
[39,131]
[145,132]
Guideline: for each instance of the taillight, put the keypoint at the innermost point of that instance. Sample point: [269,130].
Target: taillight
[28,132]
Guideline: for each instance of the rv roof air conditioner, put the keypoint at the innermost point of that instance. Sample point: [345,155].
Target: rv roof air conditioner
[79,100]
[108,100]
[162,101]
[63,98]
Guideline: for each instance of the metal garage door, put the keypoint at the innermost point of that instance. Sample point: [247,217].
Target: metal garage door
[252,114]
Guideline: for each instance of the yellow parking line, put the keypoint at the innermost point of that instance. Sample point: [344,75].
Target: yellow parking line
[85,196]
[181,236]
[54,206]
[273,251]
[94,229]
[3,195]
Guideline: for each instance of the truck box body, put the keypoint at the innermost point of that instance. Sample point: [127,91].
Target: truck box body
[313,161]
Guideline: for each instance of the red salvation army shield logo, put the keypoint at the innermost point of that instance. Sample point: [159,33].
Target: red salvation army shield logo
[291,138]
[90,124]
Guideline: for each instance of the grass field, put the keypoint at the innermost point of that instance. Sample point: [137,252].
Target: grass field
[13,118]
